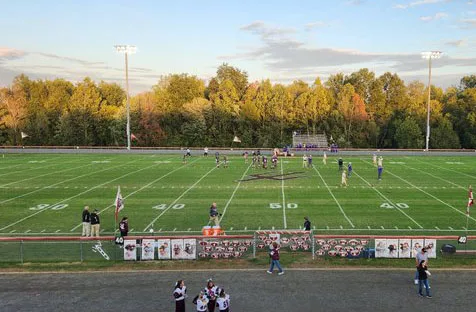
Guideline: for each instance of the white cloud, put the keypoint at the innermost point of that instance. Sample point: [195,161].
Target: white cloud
[417,3]
[469,22]
[318,24]
[435,17]
[9,53]
[456,43]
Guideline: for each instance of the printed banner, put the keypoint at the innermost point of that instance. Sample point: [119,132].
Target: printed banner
[130,250]
[184,248]
[216,248]
[381,250]
[405,250]
[430,245]
[349,248]
[417,245]
[163,249]
[148,249]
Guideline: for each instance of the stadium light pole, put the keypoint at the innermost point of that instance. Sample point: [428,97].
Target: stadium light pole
[429,55]
[127,49]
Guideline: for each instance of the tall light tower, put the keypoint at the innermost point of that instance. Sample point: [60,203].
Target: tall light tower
[127,49]
[429,55]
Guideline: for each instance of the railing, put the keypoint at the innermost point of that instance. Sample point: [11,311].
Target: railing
[110,248]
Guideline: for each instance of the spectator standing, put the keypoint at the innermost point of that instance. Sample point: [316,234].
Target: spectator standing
[274,254]
[307,224]
[420,256]
[180,293]
[95,223]
[423,279]
[324,158]
[86,222]
[124,226]
[205,152]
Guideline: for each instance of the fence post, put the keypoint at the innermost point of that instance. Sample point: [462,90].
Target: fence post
[21,251]
[313,244]
[81,250]
[254,245]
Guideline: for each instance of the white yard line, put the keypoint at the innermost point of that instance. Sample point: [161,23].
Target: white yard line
[88,190]
[178,198]
[140,189]
[284,201]
[388,200]
[233,194]
[425,192]
[335,199]
[443,168]
[52,185]
[30,169]
[427,173]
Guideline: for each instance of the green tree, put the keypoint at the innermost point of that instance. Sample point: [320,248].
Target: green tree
[239,78]
[408,134]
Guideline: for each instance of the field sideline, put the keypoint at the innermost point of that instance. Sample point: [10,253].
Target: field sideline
[44,194]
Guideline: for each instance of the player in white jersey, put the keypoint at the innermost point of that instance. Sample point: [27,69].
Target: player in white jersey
[324,158]
[304,161]
[380,162]
[223,301]
[344,178]
[201,301]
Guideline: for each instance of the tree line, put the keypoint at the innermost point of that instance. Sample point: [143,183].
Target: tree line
[355,110]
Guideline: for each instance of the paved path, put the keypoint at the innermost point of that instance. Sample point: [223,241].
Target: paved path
[250,290]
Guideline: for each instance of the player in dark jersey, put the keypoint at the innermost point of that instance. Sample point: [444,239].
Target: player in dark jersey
[265,162]
[274,161]
[217,159]
[225,161]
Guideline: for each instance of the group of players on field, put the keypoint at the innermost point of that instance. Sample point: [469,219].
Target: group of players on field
[261,161]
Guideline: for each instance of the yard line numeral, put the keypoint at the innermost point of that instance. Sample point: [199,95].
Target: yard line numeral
[48,206]
[280,206]
[398,205]
[164,206]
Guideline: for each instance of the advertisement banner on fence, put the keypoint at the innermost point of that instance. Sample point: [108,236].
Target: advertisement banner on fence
[404,248]
[417,245]
[163,249]
[430,245]
[148,247]
[216,248]
[184,249]
[130,250]
[340,247]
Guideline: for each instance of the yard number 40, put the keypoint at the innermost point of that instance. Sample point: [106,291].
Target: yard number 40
[279,206]
[391,206]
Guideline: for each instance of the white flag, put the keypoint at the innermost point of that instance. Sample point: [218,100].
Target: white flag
[119,202]
[24,135]
[236,139]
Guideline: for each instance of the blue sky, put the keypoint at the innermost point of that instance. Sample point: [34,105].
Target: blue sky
[279,40]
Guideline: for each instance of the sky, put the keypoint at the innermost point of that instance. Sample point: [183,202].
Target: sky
[278,40]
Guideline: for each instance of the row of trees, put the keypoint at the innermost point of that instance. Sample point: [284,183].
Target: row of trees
[357,110]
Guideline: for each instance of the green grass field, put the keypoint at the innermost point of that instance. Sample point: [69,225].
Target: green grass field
[44,194]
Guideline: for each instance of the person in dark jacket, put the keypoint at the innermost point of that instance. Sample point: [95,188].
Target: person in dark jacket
[86,222]
[95,223]
[274,254]
[307,224]
[124,226]
[423,279]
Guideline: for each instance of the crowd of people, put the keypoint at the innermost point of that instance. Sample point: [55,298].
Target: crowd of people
[211,297]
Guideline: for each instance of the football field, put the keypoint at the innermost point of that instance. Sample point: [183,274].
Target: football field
[44,194]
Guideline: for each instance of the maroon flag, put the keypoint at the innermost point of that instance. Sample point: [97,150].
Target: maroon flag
[118,203]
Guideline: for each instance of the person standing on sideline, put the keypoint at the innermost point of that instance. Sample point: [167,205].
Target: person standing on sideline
[274,254]
[180,293]
[309,161]
[420,256]
[423,279]
[380,167]
[214,215]
[324,158]
[304,161]
[205,152]
[349,169]
[343,181]
[212,292]
[95,223]
[307,224]
[124,226]
[188,153]
[223,301]
[86,222]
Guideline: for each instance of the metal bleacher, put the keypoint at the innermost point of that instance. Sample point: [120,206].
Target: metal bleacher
[310,141]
